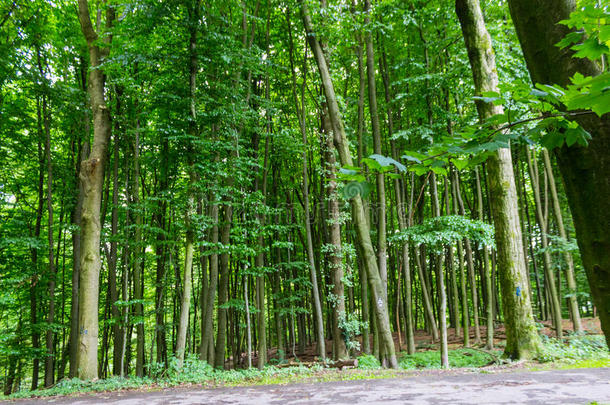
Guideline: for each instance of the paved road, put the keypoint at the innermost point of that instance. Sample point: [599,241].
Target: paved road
[581,386]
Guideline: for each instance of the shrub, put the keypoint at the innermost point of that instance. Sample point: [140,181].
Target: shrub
[368,362]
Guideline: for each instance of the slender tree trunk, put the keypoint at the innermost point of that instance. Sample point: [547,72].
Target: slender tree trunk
[366,341]
[455,297]
[92,177]
[124,362]
[546,256]
[193,20]
[440,280]
[305,188]
[219,353]
[113,257]
[335,256]
[138,276]
[358,216]
[569,265]
[522,340]
[488,286]
[381,208]
[248,327]
[49,369]
[207,323]
[161,254]
[470,267]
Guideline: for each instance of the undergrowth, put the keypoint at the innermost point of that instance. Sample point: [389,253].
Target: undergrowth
[575,352]
[574,348]
[457,358]
[432,359]
[194,371]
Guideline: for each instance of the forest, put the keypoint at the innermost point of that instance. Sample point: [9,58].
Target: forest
[248,183]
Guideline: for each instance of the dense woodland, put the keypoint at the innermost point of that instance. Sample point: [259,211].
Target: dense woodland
[219,179]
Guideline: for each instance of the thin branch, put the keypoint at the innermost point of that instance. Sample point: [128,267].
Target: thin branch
[85,21]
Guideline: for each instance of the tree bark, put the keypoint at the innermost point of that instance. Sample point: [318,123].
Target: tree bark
[49,368]
[440,280]
[585,170]
[569,267]
[358,216]
[185,304]
[335,256]
[92,177]
[522,340]
[546,256]
[489,312]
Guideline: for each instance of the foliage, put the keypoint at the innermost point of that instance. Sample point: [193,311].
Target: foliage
[439,232]
[194,371]
[457,358]
[587,347]
[350,327]
[368,362]
[240,153]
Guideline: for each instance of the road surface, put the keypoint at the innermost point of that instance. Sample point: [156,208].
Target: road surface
[582,386]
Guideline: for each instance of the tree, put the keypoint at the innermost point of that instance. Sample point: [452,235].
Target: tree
[584,170]
[522,339]
[362,227]
[92,177]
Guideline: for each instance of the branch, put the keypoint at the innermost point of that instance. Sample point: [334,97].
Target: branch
[517,123]
[85,21]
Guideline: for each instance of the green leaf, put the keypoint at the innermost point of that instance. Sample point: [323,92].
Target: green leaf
[553,140]
[590,49]
[460,163]
[385,161]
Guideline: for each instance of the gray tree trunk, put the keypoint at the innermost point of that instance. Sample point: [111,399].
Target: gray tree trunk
[522,340]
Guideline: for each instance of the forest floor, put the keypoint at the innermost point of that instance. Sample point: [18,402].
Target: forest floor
[423,341]
[580,386]
[581,377]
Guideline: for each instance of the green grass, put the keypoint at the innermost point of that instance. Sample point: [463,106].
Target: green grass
[459,358]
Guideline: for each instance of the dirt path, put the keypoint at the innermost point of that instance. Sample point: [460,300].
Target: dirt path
[580,386]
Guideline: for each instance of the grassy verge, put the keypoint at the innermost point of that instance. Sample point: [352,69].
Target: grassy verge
[576,352]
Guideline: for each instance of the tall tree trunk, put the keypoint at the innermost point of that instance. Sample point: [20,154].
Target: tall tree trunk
[335,256]
[470,267]
[138,270]
[300,110]
[161,254]
[113,257]
[358,216]
[522,340]
[92,177]
[462,276]
[455,296]
[440,279]
[546,256]
[489,312]
[364,294]
[49,368]
[381,208]
[223,290]
[185,304]
[207,323]
[569,265]
[35,277]
[585,170]
[76,234]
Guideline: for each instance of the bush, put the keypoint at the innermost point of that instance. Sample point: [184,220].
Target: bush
[368,362]
[585,347]
[457,358]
